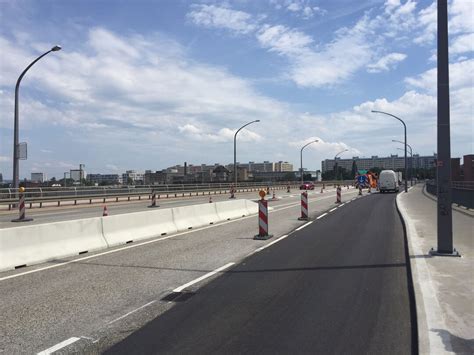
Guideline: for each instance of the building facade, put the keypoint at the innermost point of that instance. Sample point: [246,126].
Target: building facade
[392,162]
[109,179]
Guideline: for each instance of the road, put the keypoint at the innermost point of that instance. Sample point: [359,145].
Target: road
[70,212]
[331,287]
[89,304]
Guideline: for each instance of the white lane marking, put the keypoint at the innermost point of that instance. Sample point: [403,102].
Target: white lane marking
[342,204]
[276,209]
[209,274]
[270,244]
[303,226]
[324,214]
[135,310]
[348,202]
[59,346]
[335,208]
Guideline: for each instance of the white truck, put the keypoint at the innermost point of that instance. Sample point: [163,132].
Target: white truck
[388,181]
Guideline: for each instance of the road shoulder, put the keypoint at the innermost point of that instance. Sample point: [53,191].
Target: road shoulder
[443,285]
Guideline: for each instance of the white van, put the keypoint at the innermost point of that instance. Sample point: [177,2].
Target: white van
[388,181]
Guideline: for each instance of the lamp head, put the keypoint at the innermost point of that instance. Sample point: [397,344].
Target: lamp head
[56,48]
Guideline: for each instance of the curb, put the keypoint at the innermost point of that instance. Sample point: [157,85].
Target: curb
[424,293]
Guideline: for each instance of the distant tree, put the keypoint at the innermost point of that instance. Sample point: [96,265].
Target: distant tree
[354,169]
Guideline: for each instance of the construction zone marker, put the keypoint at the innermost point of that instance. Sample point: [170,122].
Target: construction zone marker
[304,206]
[262,218]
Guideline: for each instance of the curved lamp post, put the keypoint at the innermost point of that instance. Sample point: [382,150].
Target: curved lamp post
[335,161]
[16,153]
[405,131]
[301,157]
[411,159]
[235,150]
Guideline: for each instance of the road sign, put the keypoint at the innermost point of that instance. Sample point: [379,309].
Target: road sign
[22,151]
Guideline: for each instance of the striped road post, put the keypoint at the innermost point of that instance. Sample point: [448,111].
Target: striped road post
[360,190]
[262,218]
[338,194]
[21,207]
[153,200]
[304,206]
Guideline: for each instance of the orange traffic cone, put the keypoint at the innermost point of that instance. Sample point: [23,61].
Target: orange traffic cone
[105,212]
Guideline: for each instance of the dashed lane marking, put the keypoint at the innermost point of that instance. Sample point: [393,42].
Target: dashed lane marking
[203,277]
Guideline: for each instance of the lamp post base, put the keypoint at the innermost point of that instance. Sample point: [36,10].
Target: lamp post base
[22,220]
[442,253]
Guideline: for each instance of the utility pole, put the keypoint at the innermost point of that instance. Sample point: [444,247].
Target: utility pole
[443,165]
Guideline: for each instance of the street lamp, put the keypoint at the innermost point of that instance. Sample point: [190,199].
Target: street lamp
[335,161]
[301,157]
[405,131]
[235,150]
[411,159]
[16,153]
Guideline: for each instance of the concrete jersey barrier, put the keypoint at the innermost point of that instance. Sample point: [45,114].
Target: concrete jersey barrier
[39,243]
[33,244]
[124,228]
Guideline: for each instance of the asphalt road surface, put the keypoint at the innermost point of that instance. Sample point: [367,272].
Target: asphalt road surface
[88,303]
[340,285]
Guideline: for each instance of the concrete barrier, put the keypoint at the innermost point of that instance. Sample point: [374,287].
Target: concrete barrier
[33,244]
[194,216]
[232,209]
[38,243]
[125,228]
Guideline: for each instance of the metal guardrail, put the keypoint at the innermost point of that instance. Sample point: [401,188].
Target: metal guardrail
[462,192]
[40,195]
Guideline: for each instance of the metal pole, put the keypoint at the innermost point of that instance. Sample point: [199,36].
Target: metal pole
[445,220]
[301,158]
[16,131]
[411,161]
[335,162]
[405,143]
[235,150]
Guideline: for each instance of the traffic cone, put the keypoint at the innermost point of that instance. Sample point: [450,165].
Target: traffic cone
[210,199]
[322,188]
[288,188]
[105,213]
[274,196]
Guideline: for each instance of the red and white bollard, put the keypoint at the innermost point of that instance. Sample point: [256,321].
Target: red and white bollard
[262,219]
[232,192]
[304,207]
[210,199]
[22,208]
[338,194]
[105,212]
[288,188]
[274,196]
[153,200]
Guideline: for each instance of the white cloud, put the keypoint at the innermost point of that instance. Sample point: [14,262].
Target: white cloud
[305,9]
[460,75]
[283,40]
[386,63]
[212,16]
[462,44]
[222,135]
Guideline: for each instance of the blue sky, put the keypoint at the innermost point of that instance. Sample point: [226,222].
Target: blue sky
[149,84]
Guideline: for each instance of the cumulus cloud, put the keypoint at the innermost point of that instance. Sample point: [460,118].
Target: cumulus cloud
[386,63]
